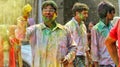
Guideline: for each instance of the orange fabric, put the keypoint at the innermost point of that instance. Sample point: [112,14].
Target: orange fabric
[12,57]
[1,56]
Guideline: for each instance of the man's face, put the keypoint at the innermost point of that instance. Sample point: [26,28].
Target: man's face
[90,25]
[49,14]
[83,15]
[111,15]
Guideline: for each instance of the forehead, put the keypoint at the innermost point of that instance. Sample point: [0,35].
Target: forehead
[48,7]
[84,11]
[90,24]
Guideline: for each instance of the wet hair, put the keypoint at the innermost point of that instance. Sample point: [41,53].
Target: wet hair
[104,8]
[79,7]
[51,3]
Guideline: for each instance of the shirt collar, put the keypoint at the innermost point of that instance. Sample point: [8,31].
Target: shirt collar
[101,28]
[77,22]
[102,25]
[58,26]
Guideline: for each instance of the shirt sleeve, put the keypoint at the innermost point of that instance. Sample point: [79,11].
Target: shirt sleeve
[113,32]
[24,35]
[94,45]
[71,48]
[29,31]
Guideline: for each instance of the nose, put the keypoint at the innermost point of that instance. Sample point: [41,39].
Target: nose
[86,15]
[47,12]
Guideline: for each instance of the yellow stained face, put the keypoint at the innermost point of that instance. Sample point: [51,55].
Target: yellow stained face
[49,14]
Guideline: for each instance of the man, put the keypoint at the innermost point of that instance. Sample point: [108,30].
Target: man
[78,30]
[52,45]
[99,53]
[111,43]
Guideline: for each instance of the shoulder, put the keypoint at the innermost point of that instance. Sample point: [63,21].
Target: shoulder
[70,23]
[62,27]
[37,26]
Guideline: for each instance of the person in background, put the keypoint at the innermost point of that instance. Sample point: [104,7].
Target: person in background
[52,44]
[10,51]
[14,49]
[79,32]
[4,47]
[22,20]
[90,26]
[20,23]
[99,32]
[110,42]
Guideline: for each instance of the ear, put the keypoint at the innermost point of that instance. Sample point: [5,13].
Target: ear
[55,14]
[77,13]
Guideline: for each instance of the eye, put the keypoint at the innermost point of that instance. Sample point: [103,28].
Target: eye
[48,10]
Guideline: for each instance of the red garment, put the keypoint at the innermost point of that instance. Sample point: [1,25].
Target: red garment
[115,34]
[1,56]
[12,52]
[12,57]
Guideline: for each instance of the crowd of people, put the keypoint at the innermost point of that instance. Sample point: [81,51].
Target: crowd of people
[70,45]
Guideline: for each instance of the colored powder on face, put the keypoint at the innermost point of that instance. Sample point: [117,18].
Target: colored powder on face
[45,19]
[81,16]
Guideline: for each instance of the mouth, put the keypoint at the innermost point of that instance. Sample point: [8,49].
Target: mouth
[49,17]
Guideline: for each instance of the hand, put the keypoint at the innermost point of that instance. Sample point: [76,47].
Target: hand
[64,61]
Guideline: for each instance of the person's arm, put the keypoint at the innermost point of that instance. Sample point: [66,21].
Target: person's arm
[112,49]
[71,45]
[21,28]
[94,47]
[71,52]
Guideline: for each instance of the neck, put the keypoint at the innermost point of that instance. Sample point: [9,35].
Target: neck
[106,21]
[78,20]
[50,25]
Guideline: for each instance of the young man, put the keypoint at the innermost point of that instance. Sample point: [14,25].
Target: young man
[99,53]
[52,45]
[78,30]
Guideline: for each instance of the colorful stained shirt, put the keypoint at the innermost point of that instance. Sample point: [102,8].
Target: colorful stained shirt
[79,35]
[115,34]
[8,50]
[99,51]
[49,47]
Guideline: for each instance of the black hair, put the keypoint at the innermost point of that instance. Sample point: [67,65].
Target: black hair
[104,8]
[79,7]
[51,3]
